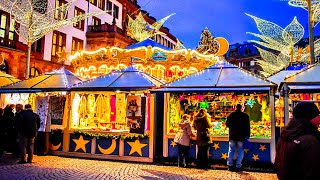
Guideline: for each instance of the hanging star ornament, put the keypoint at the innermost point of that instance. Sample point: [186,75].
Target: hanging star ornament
[224,156]
[139,29]
[80,144]
[246,150]
[216,146]
[250,102]
[263,147]
[63,55]
[136,146]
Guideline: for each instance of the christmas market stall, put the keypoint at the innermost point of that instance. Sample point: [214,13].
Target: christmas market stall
[111,117]
[5,79]
[303,85]
[48,95]
[218,89]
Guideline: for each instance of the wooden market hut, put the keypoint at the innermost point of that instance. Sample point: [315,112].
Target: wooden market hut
[303,85]
[112,117]
[218,89]
[6,79]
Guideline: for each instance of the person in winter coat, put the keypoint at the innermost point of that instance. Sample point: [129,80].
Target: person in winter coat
[8,127]
[297,152]
[27,127]
[202,123]
[182,138]
[239,130]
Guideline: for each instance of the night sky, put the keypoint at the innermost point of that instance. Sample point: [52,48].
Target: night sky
[224,18]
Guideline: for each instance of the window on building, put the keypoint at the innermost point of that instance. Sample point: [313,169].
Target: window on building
[247,51]
[4,67]
[116,11]
[96,21]
[109,7]
[94,2]
[59,14]
[246,64]
[79,24]
[4,21]
[58,42]
[34,72]
[77,45]
[37,46]
[101,4]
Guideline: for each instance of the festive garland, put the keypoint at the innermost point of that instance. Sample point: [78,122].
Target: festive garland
[113,136]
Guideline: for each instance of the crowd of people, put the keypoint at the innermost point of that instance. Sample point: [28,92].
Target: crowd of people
[239,131]
[18,131]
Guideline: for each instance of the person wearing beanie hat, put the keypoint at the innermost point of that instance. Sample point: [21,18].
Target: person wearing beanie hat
[297,152]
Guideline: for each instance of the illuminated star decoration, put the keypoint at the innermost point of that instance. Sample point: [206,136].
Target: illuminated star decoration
[246,150]
[173,144]
[136,146]
[250,102]
[255,157]
[63,55]
[262,147]
[216,146]
[281,40]
[80,144]
[224,156]
[139,29]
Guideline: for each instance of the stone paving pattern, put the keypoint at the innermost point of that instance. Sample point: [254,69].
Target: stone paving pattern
[54,167]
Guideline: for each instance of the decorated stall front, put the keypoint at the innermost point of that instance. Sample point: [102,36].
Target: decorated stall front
[303,85]
[111,117]
[49,97]
[218,89]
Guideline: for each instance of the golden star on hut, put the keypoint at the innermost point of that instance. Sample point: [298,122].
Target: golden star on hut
[255,157]
[136,146]
[63,55]
[224,156]
[173,144]
[80,144]
[262,147]
[216,146]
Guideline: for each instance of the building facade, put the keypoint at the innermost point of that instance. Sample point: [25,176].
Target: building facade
[108,29]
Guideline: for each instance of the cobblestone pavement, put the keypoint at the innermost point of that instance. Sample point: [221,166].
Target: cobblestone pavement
[54,167]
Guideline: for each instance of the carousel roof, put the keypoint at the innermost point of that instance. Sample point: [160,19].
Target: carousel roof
[59,80]
[146,43]
[6,79]
[126,79]
[220,77]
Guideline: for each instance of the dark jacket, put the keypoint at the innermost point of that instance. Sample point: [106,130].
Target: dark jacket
[297,152]
[201,124]
[27,124]
[239,126]
[7,119]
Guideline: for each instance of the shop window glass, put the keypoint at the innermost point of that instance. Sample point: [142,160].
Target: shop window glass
[219,107]
[34,72]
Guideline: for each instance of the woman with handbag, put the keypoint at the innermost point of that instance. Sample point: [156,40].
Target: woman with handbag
[202,123]
[182,138]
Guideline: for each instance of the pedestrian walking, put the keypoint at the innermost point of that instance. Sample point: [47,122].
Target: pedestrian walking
[14,135]
[27,127]
[239,130]
[202,123]
[8,125]
[297,152]
[182,139]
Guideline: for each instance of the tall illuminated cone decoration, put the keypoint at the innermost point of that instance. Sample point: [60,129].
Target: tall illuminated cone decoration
[207,44]
[282,41]
[34,19]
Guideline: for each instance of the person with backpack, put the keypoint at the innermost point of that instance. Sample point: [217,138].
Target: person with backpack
[239,130]
[27,127]
[297,152]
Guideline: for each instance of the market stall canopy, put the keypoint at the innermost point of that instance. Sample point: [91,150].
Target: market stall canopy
[126,79]
[220,77]
[6,79]
[146,43]
[307,79]
[59,80]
